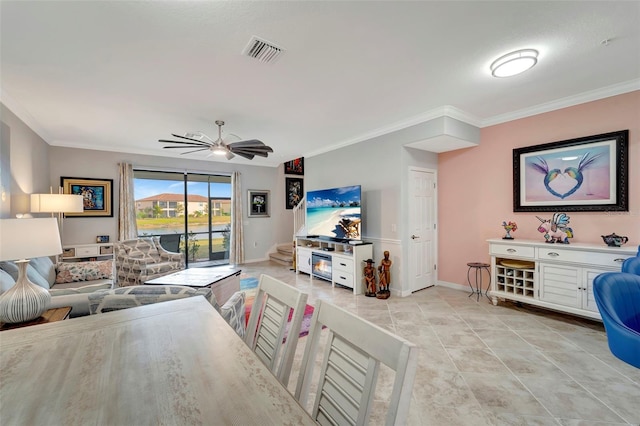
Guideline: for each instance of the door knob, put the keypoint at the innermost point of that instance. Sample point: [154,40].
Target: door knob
[413,237]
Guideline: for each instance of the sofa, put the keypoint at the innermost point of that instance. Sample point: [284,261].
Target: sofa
[233,311]
[142,259]
[69,283]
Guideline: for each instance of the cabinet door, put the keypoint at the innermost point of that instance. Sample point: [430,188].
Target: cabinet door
[588,275]
[303,261]
[561,284]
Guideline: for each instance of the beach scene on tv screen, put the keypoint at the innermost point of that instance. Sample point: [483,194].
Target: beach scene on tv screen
[335,213]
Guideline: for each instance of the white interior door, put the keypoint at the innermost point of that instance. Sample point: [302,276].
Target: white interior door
[422,228]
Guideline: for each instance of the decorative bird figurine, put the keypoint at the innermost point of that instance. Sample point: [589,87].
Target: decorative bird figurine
[586,161]
[543,168]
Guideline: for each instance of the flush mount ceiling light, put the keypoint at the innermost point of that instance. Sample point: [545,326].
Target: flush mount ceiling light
[514,63]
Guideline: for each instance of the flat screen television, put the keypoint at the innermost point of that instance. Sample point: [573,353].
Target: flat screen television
[335,213]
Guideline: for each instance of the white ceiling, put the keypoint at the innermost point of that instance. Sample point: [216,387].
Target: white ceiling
[119,75]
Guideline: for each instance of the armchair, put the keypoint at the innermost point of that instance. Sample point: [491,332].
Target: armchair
[142,259]
[617,296]
[632,265]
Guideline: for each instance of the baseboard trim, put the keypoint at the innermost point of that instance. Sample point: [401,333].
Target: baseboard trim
[453,286]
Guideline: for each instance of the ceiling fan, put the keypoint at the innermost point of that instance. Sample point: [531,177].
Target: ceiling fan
[244,148]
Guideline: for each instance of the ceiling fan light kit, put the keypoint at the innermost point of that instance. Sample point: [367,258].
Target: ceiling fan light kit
[244,148]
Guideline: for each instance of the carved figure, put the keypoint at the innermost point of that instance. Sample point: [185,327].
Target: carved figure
[370,278]
[384,270]
[556,229]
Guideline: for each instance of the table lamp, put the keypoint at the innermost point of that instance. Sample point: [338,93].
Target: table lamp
[57,203]
[20,240]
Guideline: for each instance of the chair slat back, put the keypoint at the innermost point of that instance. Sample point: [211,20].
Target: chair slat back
[268,323]
[354,350]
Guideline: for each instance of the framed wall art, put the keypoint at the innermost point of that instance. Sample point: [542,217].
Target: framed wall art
[259,203]
[294,167]
[293,192]
[583,174]
[97,195]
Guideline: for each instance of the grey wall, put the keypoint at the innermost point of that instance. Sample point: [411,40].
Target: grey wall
[29,165]
[27,157]
[261,234]
[381,166]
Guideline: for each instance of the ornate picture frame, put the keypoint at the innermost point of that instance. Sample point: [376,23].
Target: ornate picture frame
[97,195]
[583,174]
[259,203]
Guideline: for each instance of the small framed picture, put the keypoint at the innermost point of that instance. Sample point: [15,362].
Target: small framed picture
[102,239]
[259,203]
[294,167]
[293,192]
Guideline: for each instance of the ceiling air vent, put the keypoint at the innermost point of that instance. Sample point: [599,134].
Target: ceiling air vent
[262,50]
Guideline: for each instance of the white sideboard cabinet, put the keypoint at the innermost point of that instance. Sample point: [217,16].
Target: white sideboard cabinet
[554,276]
[86,252]
[338,262]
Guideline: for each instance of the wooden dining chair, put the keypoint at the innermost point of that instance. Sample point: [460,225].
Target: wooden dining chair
[269,325]
[349,368]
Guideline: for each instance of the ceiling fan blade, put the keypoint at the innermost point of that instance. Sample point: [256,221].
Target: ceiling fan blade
[195,150]
[190,139]
[248,142]
[250,152]
[194,143]
[185,147]
[254,148]
[245,155]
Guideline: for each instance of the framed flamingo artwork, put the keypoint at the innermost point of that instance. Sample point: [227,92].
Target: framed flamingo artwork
[583,174]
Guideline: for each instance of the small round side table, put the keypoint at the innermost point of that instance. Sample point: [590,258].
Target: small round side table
[477,267]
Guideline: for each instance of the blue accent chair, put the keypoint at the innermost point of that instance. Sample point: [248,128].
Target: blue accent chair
[632,265]
[617,295]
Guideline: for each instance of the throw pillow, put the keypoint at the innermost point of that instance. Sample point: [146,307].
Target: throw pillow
[86,289]
[84,271]
[45,267]
[6,281]
[12,269]
[233,311]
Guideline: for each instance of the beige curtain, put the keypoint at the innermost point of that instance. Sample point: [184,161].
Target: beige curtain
[236,249]
[127,227]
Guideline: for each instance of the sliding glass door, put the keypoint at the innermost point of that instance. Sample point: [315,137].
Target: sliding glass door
[190,212]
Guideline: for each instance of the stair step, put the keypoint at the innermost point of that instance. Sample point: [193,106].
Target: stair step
[281,259]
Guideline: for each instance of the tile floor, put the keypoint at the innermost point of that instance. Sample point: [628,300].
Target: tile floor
[481,364]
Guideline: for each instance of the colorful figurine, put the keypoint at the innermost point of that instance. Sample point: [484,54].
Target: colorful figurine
[509,227]
[556,229]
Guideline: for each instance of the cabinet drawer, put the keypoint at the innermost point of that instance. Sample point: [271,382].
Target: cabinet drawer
[342,264]
[87,251]
[608,260]
[512,250]
[343,278]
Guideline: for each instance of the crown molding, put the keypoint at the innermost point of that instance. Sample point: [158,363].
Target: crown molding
[443,111]
[593,95]
[23,114]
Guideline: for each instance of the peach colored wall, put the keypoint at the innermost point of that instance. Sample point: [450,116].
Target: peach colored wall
[476,191]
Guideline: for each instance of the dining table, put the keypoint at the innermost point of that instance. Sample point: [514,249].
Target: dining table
[171,363]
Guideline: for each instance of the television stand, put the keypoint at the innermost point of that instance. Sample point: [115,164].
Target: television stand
[347,261]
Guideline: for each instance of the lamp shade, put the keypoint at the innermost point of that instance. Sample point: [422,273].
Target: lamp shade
[56,203]
[29,238]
